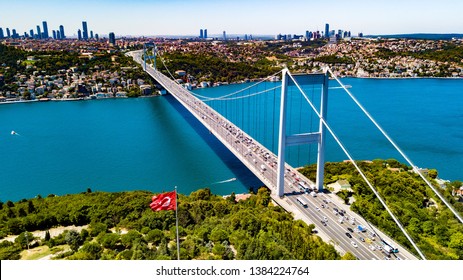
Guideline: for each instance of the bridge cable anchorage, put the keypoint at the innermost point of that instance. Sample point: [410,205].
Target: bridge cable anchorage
[358,169]
[457,215]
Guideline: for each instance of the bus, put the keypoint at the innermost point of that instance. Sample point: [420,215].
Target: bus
[302,202]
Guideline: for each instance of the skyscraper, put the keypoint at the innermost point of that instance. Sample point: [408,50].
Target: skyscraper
[61,31]
[205,34]
[54,34]
[8,34]
[58,35]
[31,32]
[1,33]
[224,36]
[91,34]
[327,30]
[45,30]
[79,35]
[97,37]
[201,34]
[39,33]
[84,30]
[112,39]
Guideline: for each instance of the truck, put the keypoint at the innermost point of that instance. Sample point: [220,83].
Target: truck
[389,247]
[361,228]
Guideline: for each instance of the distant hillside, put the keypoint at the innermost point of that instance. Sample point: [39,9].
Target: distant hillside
[422,36]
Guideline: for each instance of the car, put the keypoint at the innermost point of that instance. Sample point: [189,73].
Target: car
[372,248]
[349,229]
[361,239]
[379,247]
[335,209]
[340,213]
[335,213]
[325,219]
[324,200]
[348,235]
[354,244]
[387,258]
[316,208]
[322,205]
[398,259]
[323,223]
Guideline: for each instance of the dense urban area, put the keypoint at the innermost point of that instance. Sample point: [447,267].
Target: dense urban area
[70,69]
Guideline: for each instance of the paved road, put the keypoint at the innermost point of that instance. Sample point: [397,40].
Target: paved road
[263,163]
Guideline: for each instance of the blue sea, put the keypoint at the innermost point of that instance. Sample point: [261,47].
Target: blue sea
[154,144]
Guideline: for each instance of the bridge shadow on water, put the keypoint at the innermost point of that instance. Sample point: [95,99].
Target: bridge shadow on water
[241,172]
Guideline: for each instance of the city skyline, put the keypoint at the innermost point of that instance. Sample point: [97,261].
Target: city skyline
[238,17]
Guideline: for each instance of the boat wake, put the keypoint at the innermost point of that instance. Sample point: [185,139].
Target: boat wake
[14,133]
[224,181]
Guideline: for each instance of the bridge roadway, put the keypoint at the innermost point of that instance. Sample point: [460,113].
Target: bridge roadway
[263,163]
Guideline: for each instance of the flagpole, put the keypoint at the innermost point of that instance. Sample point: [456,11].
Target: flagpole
[176,223]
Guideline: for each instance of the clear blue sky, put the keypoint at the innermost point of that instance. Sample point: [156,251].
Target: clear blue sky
[176,17]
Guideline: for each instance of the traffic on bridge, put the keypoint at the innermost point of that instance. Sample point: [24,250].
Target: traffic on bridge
[334,222]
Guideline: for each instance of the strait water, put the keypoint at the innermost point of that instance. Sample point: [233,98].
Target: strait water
[154,144]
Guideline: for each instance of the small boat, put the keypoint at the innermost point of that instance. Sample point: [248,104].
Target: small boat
[14,132]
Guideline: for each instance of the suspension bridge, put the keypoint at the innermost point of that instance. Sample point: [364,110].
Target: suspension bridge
[289,188]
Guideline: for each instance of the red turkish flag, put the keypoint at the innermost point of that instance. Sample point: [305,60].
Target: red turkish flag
[163,201]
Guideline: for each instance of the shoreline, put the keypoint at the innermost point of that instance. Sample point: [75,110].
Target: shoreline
[72,99]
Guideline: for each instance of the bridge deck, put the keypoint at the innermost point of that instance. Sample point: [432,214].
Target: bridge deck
[261,161]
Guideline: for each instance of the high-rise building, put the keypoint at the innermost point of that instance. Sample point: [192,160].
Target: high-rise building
[112,39]
[205,34]
[327,30]
[91,34]
[201,34]
[97,37]
[54,34]
[79,35]
[14,35]
[31,33]
[39,33]
[224,36]
[45,30]
[8,34]
[61,31]
[84,30]
[58,35]
[1,33]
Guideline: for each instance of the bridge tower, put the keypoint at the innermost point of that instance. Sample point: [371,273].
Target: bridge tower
[146,56]
[319,137]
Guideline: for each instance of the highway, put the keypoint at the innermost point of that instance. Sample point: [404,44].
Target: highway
[263,163]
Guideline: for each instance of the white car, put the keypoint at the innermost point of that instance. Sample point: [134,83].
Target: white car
[316,208]
[325,219]
[354,244]
[372,248]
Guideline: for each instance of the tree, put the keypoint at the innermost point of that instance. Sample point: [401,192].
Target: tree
[348,256]
[30,207]
[456,241]
[432,173]
[73,239]
[24,239]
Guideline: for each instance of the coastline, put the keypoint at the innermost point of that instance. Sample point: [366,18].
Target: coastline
[72,99]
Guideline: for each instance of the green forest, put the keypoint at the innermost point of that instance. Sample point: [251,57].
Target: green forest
[210,227]
[207,67]
[438,234]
